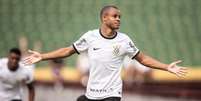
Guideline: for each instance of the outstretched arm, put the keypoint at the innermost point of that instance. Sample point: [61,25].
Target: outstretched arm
[60,53]
[150,62]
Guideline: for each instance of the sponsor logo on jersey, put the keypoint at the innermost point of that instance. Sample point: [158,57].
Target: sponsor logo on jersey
[96,48]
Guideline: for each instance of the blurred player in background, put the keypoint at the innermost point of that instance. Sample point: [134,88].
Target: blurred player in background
[56,66]
[23,46]
[135,72]
[83,67]
[13,75]
[106,48]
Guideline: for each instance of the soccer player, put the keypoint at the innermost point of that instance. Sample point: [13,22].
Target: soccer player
[106,48]
[13,75]
[136,72]
[56,66]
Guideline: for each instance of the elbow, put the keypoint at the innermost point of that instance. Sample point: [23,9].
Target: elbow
[143,59]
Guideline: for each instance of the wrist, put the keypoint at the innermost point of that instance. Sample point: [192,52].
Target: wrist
[166,67]
[42,57]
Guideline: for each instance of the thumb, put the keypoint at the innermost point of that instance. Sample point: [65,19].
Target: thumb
[178,61]
[174,63]
[30,51]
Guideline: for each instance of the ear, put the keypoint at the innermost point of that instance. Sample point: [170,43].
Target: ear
[104,18]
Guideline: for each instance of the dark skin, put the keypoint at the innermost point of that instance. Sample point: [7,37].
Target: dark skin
[13,61]
[110,23]
[31,91]
[13,64]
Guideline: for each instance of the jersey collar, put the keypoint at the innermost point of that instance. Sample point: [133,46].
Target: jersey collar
[107,37]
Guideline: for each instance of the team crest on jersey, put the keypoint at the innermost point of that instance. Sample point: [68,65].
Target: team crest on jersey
[116,49]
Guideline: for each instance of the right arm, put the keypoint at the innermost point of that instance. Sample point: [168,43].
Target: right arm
[60,53]
[79,46]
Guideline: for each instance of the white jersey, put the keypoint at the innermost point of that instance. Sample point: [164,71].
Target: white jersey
[105,58]
[11,81]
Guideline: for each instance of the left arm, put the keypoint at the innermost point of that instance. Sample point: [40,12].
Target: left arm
[31,91]
[153,63]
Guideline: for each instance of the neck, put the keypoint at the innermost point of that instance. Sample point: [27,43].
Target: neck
[107,32]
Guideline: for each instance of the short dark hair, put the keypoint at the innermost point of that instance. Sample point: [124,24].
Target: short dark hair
[105,8]
[15,50]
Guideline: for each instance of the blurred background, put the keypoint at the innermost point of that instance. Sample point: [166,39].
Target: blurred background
[165,29]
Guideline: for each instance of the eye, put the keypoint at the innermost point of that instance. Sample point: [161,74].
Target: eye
[117,16]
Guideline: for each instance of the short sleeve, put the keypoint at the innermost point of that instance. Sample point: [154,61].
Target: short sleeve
[131,49]
[82,44]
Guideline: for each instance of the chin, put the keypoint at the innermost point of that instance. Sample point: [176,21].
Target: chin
[115,28]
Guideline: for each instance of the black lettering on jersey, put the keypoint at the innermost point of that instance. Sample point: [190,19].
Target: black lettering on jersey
[98,90]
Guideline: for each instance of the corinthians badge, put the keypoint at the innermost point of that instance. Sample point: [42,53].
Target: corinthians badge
[116,50]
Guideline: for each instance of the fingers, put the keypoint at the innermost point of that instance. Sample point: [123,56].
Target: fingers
[180,75]
[27,61]
[174,63]
[182,72]
[30,51]
[178,61]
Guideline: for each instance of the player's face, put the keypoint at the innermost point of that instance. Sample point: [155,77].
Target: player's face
[13,60]
[112,18]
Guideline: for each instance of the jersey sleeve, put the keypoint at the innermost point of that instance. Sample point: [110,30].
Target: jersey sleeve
[131,49]
[82,44]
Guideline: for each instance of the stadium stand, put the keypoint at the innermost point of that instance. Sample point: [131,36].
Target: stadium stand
[165,29]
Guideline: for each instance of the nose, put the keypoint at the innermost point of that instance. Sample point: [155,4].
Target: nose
[118,18]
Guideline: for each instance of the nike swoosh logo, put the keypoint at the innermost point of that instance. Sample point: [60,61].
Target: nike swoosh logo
[96,48]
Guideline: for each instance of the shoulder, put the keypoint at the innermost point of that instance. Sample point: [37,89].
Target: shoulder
[27,69]
[123,36]
[3,61]
[91,33]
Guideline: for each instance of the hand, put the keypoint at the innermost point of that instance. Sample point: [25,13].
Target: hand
[33,58]
[177,70]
